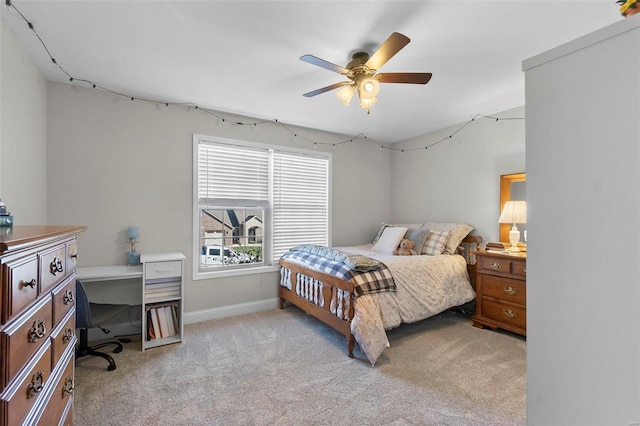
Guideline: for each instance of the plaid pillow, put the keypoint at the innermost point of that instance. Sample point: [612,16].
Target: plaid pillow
[436,242]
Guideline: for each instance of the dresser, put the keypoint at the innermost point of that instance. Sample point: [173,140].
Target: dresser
[37,324]
[501,291]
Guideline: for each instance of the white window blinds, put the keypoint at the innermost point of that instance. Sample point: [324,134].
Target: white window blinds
[232,175]
[300,201]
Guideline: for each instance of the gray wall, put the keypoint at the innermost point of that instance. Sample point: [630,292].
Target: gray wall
[23,133]
[583,182]
[458,179]
[115,163]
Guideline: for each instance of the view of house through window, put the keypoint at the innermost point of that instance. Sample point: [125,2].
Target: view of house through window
[231,237]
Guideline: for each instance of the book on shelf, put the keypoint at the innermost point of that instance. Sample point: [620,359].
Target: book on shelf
[162,321]
[171,329]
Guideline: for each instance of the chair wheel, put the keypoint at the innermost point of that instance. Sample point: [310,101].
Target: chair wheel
[125,340]
[111,367]
[117,350]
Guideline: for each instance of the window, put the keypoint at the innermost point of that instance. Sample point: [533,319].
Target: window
[254,202]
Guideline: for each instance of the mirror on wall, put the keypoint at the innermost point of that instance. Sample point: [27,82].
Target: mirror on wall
[512,187]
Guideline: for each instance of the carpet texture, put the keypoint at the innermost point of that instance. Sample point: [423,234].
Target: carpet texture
[283,367]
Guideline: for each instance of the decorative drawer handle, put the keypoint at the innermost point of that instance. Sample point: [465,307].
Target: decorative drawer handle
[56,266]
[31,283]
[36,384]
[38,331]
[509,313]
[67,388]
[74,256]
[163,271]
[67,335]
[510,290]
[495,266]
[68,297]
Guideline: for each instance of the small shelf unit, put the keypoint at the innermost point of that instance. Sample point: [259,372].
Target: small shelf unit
[162,299]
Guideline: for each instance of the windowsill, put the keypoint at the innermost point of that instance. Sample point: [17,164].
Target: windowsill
[197,275]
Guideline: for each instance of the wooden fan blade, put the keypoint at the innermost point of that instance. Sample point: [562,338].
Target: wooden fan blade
[387,50]
[313,60]
[404,77]
[326,89]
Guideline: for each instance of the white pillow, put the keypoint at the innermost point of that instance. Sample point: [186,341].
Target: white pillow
[389,239]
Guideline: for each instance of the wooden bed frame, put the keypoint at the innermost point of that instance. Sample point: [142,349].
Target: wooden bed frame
[331,284]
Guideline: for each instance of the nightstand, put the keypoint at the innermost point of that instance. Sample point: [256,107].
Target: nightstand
[501,291]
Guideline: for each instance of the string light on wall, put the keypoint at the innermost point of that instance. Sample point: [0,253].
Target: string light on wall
[222,121]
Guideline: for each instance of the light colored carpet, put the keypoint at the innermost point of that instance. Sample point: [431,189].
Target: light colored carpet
[282,367]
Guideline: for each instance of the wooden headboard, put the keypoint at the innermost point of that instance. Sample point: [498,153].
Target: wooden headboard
[466,248]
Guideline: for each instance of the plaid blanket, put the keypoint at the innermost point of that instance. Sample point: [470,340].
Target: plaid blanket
[375,281]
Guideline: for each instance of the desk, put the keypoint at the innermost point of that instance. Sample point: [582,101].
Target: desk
[158,291]
[108,273]
[114,284]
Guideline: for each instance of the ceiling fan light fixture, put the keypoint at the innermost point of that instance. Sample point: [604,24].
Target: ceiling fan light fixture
[345,94]
[368,88]
[367,103]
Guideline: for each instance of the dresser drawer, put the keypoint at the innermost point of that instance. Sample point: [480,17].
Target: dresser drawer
[64,299]
[23,395]
[22,285]
[505,313]
[156,270]
[72,255]
[52,266]
[61,397]
[22,338]
[504,289]
[62,337]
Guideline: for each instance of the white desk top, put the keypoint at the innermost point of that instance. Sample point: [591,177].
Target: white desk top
[108,273]
[123,272]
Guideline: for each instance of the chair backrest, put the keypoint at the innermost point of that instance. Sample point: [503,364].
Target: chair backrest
[83,310]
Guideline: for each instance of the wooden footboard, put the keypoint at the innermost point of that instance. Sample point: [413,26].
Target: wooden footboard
[328,294]
[319,305]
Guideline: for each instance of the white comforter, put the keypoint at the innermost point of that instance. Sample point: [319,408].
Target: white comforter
[427,285]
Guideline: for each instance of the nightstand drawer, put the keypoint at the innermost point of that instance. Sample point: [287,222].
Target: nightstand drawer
[156,270]
[504,289]
[505,313]
[495,264]
[503,266]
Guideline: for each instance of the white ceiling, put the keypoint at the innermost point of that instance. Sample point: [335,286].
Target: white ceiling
[243,56]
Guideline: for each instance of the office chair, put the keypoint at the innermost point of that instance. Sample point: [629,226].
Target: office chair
[91,315]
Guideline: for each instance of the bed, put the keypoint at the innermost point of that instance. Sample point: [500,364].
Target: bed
[362,291]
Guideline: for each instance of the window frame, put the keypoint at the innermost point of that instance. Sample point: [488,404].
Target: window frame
[267,236]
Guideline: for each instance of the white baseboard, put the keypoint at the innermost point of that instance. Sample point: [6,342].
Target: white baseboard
[229,311]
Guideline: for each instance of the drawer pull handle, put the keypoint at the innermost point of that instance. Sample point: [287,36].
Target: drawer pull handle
[163,271]
[56,266]
[510,290]
[36,384]
[31,283]
[495,266]
[67,388]
[67,335]
[74,256]
[38,331]
[68,297]
[509,313]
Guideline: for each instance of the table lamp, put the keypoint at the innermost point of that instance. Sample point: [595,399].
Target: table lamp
[133,257]
[514,212]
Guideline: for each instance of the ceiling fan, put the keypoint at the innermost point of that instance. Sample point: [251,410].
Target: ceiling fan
[361,72]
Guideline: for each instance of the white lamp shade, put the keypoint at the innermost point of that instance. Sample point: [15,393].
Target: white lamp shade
[368,88]
[367,103]
[345,94]
[514,212]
